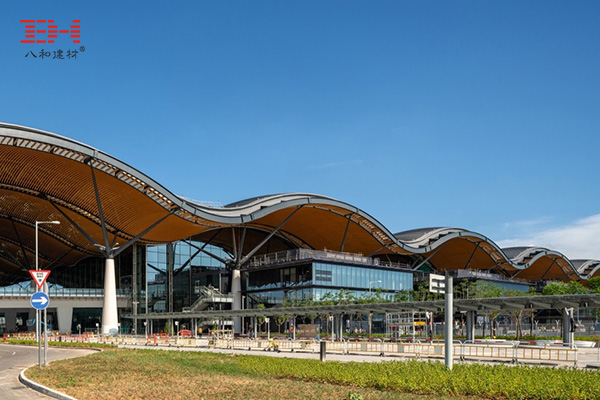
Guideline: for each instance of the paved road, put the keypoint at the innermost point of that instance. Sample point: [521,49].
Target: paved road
[13,359]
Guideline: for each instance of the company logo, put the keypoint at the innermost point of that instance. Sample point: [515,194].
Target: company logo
[46,31]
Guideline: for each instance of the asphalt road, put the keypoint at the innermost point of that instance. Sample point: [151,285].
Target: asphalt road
[14,358]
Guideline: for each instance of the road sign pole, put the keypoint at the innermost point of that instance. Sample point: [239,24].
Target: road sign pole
[449,321]
[39,338]
[40,301]
[45,329]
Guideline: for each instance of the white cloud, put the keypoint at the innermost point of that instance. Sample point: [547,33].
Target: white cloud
[578,240]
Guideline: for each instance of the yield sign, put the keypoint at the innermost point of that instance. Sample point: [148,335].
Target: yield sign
[39,277]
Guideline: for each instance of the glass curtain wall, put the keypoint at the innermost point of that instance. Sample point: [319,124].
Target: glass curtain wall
[192,269]
[314,281]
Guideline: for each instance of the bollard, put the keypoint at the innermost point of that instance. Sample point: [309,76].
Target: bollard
[323,350]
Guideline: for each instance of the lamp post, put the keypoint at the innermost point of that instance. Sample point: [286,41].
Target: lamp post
[37,318]
[378,281]
[268,321]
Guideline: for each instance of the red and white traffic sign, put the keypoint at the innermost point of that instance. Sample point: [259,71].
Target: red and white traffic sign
[39,277]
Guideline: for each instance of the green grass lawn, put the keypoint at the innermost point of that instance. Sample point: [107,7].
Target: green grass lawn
[153,374]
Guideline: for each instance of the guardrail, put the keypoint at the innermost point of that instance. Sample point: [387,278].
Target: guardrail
[61,292]
[480,350]
[507,351]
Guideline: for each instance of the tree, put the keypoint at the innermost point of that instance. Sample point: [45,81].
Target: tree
[485,289]
[462,289]
[402,296]
[280,320]
[518,314]
[594,284]
[262,318]
[562,288]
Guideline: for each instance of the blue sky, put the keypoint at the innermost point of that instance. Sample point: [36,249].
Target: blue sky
[478,114]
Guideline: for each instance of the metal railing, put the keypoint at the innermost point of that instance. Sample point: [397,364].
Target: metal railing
[307,254]
[479,350]
[61,292]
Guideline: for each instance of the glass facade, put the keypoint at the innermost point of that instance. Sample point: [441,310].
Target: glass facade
[315,280]
[361,278]
[521,287]
[191,269]
[290,277]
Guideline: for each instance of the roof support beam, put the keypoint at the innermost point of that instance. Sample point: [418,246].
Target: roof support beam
[548,270]
[468,264]
[378,251]
[265,240]
[185,264]
[59,258]
[20,244]
[431,255]
[349,217]
[76,225]
[107,248]
[208,253]
[116,251]
[234,242]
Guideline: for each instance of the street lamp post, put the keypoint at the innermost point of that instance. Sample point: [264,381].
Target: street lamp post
[378,281]
[268,321]
[38,324]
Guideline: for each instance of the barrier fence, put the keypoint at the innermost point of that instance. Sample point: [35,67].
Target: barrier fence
[478,350]
[494,350]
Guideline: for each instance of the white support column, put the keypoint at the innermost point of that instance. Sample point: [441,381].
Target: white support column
[449,322]
[65,318]
[110,317]
[236,290]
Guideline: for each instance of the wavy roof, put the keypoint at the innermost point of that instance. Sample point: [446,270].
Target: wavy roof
[44,176]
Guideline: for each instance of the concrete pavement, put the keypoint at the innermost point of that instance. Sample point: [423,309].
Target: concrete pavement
[14,358]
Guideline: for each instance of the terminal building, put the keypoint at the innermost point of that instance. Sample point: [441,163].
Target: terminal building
[118,243]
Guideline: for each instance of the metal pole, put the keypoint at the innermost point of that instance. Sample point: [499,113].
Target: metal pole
[38,314]
[449,314]
[45,329]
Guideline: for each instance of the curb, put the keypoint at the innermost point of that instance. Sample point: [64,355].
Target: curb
[41,388]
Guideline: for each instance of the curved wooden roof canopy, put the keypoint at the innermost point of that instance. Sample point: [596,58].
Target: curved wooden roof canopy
[44,176]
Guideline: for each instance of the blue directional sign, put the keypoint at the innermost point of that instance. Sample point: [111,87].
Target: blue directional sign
[39,300]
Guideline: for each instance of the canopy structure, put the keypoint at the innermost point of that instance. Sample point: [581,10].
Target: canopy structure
[104,206]
[459,305]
